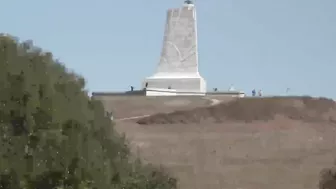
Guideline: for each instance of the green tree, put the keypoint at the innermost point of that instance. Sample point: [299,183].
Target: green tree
[52,135]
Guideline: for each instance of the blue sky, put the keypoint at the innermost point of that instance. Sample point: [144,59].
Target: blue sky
[262,44]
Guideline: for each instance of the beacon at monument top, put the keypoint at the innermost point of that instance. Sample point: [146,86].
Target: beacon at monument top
[188,3]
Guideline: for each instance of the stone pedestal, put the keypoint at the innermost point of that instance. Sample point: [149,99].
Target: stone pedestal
[180,83]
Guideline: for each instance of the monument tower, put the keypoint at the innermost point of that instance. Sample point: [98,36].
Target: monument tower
[178,65]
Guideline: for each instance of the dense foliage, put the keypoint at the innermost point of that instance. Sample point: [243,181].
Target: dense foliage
[52,135]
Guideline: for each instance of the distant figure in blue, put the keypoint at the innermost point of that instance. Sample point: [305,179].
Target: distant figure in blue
[253,92]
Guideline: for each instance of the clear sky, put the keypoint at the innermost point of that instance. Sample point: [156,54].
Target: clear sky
[262,44]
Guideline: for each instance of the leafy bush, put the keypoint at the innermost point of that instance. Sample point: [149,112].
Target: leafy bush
[52,135]
[328,178]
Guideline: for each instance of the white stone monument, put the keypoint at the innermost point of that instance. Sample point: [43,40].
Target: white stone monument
[178,67]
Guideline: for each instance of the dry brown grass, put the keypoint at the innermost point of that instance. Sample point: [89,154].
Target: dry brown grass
[277,154]
[128,106]
[252,109]
[274,151]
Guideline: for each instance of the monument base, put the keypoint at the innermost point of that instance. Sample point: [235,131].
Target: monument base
[170,92]
[180,83]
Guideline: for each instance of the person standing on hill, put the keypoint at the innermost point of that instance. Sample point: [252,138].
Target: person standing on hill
[253,92]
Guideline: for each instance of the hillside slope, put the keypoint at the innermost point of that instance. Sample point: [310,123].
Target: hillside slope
[129,106]
[252,109]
